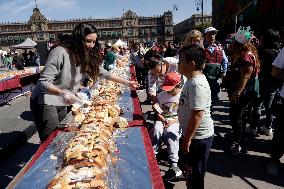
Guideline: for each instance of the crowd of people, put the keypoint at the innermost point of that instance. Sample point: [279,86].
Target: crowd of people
[183,84]
[15,60]
[249,69]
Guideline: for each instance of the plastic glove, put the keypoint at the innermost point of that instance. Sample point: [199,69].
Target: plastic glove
[133,85]
[68,97]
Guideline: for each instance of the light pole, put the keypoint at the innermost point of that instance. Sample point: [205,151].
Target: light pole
[240,11]
[200,4]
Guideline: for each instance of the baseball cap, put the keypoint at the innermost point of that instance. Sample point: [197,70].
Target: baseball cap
[210,29]
[172,79]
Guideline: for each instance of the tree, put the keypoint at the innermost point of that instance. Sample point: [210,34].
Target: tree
[178,39]
[201,27]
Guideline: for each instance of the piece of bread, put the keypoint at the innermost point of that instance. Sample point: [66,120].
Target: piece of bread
[114,111]
[120,122]
[79,118]
[87,176]
[75,109]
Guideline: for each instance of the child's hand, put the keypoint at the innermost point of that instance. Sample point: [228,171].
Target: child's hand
[161,118]
[166,124]
[185,145]
[170,122]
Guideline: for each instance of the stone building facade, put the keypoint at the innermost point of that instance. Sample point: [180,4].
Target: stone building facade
[128,27]
[182,28]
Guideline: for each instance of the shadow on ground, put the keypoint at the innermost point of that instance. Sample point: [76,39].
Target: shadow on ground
[10,168]
[27,115]
[247,165]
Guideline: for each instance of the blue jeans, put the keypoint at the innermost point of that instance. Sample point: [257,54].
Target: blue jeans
[266,98]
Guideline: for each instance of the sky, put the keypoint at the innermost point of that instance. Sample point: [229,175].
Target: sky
[21,10]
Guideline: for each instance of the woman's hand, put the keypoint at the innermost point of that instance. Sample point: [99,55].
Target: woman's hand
[68,97]
[132,84]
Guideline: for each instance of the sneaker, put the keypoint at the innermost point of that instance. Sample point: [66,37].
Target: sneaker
[251,131]
[174,173]
[272,169]
[266,131]
[234,149]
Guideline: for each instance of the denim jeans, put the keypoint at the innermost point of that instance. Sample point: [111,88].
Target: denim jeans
[46,117]
[266,98]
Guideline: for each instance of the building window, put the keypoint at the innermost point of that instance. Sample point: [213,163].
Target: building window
[114,34]
[154,31]
[146,32]
[168,31]
[22,37]
[4,39]
[52,37]
[130,32]
[104,33]
[141,32]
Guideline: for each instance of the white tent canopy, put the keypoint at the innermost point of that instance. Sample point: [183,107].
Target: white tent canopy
[27,44]
[3,52]
[120,43]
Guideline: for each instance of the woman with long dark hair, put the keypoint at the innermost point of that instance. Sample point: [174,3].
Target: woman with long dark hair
[75,58]
[244,84]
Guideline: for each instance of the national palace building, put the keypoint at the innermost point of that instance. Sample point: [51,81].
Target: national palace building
[128,27]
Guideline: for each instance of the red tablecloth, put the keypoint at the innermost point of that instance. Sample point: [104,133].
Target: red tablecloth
[42,148]
[18,81]
[138,119]
[12,83]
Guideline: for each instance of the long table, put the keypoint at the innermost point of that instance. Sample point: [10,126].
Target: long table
[147,170]
[17,85]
